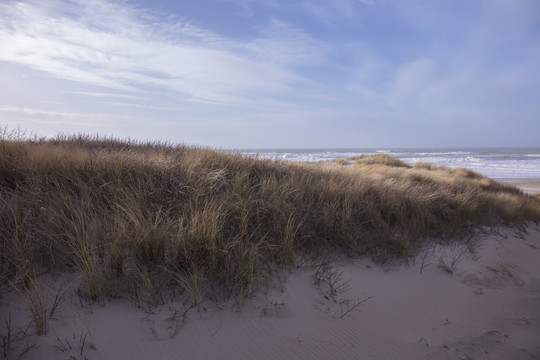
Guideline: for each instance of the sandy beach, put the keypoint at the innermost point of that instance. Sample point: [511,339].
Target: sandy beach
[446,304]
[528,186]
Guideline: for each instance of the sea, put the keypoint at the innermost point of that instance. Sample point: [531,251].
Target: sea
[496,163]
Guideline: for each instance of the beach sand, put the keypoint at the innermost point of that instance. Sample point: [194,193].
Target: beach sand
[528,186]
[486,307]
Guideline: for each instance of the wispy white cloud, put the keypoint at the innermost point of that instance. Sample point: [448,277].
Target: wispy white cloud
[115,46]
[102,95]
[44,122]
[142,106]
[410,81]
[282,43]
[247,6]
[57,114]
[473,57]
[298,68]
[334,12]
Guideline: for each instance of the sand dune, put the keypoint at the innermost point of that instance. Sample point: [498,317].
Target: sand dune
[487,308]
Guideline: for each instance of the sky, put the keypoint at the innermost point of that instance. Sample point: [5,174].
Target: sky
[246,74]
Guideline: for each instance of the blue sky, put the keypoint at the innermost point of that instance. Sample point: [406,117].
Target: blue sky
[275,73]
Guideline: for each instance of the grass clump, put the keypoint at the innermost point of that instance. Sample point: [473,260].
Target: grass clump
[140,220]
[379,159]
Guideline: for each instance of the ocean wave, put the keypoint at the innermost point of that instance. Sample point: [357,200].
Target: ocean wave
[445,153]
[498,164]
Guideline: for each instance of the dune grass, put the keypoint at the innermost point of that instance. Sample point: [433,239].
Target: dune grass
[379,159]
[144,220]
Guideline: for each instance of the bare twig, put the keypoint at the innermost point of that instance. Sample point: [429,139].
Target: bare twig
[62,345]
[328,277]
[6,339]
[27,349]
[174,321]
[355,306]
[56,302]
[82,340]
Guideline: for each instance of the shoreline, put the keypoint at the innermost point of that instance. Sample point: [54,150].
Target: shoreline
[529,186]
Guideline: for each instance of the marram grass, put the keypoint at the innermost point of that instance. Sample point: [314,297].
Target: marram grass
[140,220]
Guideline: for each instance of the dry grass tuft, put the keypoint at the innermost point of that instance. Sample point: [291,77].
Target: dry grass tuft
[379,159]
[340,161]
[429,166]
[140,220]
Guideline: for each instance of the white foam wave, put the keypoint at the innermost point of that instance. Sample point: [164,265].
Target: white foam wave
[498,164]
